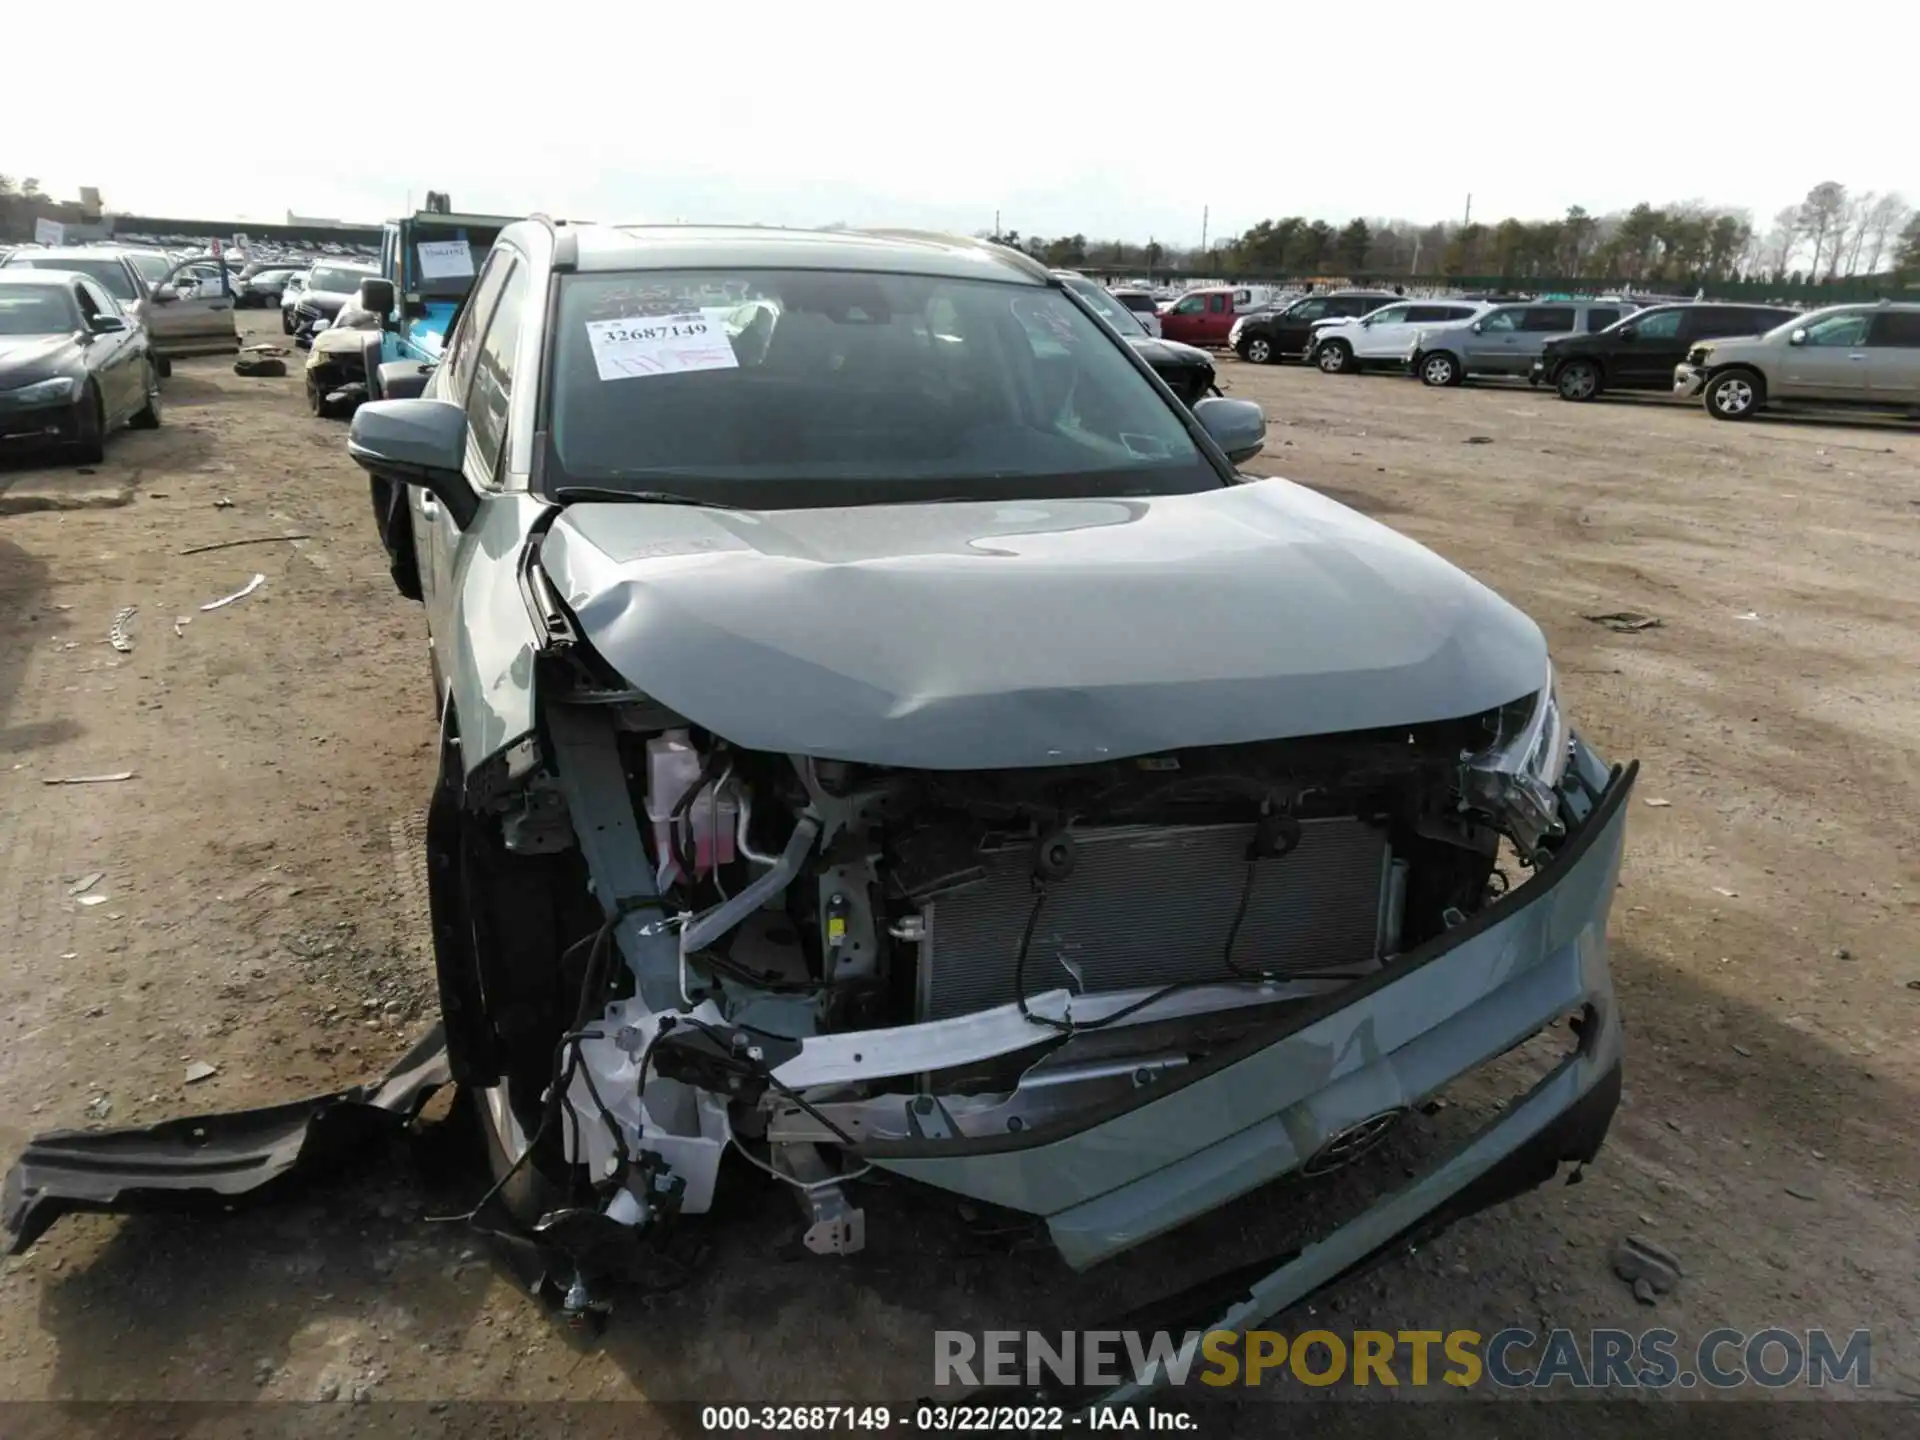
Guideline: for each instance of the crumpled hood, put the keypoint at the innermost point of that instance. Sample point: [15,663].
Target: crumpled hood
[985,635]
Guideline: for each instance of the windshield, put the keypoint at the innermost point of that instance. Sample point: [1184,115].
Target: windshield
[152,268]
[446,259]
[1104,305]
[36,310]
[336,278]
[108,270]
[1138,301]
[769,389]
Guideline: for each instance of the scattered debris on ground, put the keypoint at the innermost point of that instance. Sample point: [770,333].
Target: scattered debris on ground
[1626,622]
[240,594]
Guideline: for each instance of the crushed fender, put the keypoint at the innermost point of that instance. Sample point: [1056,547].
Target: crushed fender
[213,1162]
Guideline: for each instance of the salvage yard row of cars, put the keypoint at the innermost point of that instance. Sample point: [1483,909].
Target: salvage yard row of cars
[1738,358]
[868,752]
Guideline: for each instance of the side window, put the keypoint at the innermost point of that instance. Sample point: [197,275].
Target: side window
[1217,304]
[1841,332]
[1391,315]
[1547,320]
[1599,318]
[1896,330]
[1661,325]
[1500,322]
[493,370]
[1192,305]
[464,348]
[1308,310]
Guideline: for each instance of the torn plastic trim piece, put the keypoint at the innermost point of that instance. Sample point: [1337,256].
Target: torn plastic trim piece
[212,1162]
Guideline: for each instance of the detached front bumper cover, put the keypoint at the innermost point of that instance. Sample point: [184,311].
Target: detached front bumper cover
[213,1162]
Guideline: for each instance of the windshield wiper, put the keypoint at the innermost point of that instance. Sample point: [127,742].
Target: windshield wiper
[656,497]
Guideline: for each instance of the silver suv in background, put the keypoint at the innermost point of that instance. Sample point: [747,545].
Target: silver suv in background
[1507,339]
[1851,355]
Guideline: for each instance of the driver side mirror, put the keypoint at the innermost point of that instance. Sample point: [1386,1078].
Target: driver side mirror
[165,294]
[106,324]
[1627,332]
[1478,327]
[418,442]
[1238,427]
[1798,337]
[376,295]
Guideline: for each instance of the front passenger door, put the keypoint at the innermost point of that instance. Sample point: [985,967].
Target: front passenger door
[1658,343]
[1830,362]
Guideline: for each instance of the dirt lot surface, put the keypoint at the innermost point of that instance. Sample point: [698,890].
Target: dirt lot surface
[257,913]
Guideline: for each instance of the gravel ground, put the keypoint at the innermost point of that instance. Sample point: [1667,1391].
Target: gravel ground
[259,913]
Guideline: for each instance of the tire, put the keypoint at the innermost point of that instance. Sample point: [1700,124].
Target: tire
[90,428]
[286,323]
[504,925]
[1334,357]
[317,400]
[148,417]
[165,367]
[1259,350]
[1735,395]
[1440,368]
[1578,380]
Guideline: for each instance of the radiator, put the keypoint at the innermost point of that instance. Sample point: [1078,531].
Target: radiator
[1149,905]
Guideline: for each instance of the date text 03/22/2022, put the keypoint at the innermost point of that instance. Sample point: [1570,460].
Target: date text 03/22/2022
[955,1419]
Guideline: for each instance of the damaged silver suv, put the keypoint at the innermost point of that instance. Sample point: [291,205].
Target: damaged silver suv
[884,733]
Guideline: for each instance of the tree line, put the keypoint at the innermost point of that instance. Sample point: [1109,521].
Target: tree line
[1831,233]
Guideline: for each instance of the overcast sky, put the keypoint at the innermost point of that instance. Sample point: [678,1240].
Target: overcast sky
[1109,119]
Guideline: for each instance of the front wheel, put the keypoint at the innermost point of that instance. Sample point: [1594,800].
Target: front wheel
[1578,380]
[1334,357]
[286,323]
[1259,350]
[147,417]
[1440,368]
[1734,396]
[89,427]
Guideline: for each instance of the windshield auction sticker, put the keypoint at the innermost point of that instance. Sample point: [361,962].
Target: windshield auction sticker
[659,345]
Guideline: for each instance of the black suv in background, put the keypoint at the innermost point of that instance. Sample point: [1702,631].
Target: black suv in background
[1640,352]
[1285,334]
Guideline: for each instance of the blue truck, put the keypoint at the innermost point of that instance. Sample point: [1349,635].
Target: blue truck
[428,263]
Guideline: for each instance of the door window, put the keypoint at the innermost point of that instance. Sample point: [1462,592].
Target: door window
[1192,305]
[1896,330]
[1660,325]
[1217,304]
[493,371]
[1547,320]
[1308,310]
[1392,315]
[463,349]
[89,301]
[1599,318]
[1500,322]
[1842,332]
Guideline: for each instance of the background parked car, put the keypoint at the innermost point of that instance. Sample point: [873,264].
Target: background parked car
[1143,306]
[1641,351]
[330,284]
[1267,339]
[187,310]
[1187,369]
[1206,316]
[73,366]
[1385,336]
[1852,355]
[295,287]
[1507,339]
[262,289]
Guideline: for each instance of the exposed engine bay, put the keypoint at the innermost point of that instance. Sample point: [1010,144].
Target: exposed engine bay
[798,957]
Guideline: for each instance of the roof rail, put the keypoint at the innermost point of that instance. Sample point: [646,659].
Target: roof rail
[566,243]
[1005,252]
